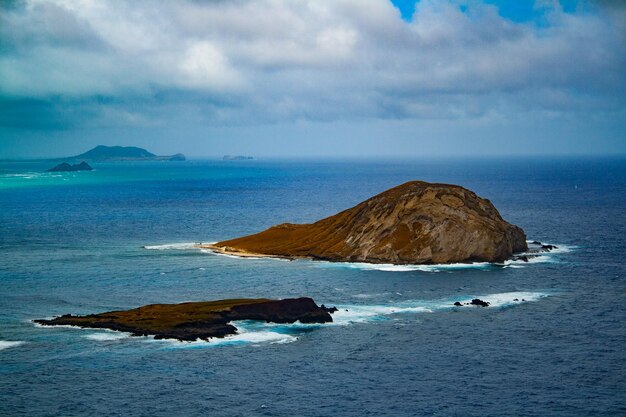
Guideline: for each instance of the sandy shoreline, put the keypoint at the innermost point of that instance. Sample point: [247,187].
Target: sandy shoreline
[225,250]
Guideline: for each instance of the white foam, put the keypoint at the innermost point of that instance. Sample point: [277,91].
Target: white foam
[243,337]
[561,248]
[558,248]
[257,333]
[27,175]
[348,314]
[534,258]
[256,337]
[508,298]
[107,336]
[364,266]
[7,344]
[370,295]
[45,326]
[173,246]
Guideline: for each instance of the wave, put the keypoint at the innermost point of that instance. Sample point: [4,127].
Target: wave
[56,326]
[355,313]
[254,332]
[7,344]
[364,266]
[533,258]
[508,299]
[249,333]
[107,336]
[173,246]
[558,248]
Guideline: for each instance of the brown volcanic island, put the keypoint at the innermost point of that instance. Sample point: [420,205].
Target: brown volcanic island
[199,320]
[413,223]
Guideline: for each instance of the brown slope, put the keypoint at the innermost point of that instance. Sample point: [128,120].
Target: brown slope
[413,223]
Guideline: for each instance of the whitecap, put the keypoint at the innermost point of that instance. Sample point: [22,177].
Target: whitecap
[509,298]
[106,336]
[56,326]
[558,248]
[7,344]
[364,266]
[348,314]
[256,337]
[533,258]
[173,246]
[256,333]
[364,295]
[243,337]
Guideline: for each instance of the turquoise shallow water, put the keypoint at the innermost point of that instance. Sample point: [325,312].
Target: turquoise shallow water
[76,243]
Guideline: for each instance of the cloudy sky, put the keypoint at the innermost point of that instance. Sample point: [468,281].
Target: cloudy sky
[340,78]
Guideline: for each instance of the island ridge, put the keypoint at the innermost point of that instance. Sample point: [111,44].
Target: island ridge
[414,223]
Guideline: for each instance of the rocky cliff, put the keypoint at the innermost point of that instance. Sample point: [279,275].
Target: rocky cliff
[413,223]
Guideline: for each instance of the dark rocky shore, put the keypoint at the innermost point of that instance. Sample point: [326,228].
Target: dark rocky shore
[199,320]
[534,250]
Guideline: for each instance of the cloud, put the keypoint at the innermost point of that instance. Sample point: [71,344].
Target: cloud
[204,66]
[264,61]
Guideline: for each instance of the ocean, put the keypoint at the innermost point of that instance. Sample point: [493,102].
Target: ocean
[122,236]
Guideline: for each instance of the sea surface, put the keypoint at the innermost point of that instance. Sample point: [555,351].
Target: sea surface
[122,236]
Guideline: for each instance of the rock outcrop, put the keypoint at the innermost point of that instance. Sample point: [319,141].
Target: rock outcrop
[199,320]
[475,302]
[65,167]
[413,223]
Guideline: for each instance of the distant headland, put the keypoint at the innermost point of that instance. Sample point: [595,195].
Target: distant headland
[414,223]
[103,153]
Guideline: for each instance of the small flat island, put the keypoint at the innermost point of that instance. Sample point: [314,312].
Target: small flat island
[414,223]
[237,158]
[199,320]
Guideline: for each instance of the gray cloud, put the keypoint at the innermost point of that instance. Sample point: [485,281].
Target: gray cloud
[142,63]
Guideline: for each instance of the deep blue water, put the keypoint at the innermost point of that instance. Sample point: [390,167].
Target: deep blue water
[73,243]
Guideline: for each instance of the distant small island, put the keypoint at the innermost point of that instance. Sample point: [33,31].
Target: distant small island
[414,223]
[236,158]
[65,167]
[103,153]
[199,320]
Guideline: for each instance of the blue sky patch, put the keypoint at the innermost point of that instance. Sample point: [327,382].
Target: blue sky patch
[516,11]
